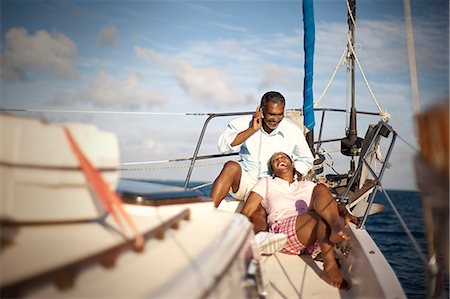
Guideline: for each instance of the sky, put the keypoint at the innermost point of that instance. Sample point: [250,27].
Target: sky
[178,57]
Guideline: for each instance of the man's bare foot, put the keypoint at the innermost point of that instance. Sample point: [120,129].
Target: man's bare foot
[338,235]
[334,278]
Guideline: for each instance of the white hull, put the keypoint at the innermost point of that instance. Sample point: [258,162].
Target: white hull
[203,255]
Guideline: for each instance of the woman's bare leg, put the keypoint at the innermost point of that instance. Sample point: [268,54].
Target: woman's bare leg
[311,227]
[331,273]
[259,220]
[324,204]
[229,177]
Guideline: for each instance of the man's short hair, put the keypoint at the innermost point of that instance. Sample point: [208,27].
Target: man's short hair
[273,97]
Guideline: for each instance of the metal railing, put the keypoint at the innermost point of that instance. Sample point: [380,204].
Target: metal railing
[319,142]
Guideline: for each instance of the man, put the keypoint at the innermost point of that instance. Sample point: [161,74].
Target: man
[257,137]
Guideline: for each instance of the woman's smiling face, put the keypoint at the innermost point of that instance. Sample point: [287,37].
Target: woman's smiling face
[281,162]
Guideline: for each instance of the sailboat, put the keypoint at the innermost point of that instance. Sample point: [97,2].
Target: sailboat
[87,234]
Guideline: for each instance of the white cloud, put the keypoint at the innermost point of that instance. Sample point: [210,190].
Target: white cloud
[207,85]
[107,36]
[106,90]
[155,147]
[248,64]
[147,54]
[275,74]
[50,53]
[230,27]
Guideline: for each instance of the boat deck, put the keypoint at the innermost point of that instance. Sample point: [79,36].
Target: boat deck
[292,276]
[297,277]
[362,264]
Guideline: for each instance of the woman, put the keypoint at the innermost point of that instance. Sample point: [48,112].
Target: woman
[307,213]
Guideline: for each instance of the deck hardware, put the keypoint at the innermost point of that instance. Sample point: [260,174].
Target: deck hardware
[345,250]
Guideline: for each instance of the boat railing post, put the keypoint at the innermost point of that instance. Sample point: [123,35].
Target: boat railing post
[359,168]
[372,195]
[319,141]
[380,176]
[200,139]
[197,148]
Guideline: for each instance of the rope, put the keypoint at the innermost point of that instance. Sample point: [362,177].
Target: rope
[331,79]
[145,162]
[202,186]
[167,167]
[107,196]
[179,159]
[331,163]
[384,115]
[364,77]
[350,13]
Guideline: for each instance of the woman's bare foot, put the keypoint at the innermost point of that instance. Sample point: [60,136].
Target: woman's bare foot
[334,278]
[351,218]
[338,235]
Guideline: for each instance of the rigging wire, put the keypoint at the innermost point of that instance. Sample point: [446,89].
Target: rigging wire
[409,144]
[105,112]
[405,227]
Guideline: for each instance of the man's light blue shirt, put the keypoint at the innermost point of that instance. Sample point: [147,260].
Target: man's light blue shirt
[256,151]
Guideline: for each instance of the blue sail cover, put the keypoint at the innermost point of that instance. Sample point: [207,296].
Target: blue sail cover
[308,45]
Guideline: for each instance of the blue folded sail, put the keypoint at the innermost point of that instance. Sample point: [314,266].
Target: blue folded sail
[308,45]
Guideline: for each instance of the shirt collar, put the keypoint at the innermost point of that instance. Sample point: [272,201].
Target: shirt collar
[278,130]
[280,181]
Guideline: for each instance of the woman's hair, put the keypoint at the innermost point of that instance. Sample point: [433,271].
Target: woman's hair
[269,164]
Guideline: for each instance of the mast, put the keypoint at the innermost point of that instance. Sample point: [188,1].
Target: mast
[352,133]
[351,144]
[308,46]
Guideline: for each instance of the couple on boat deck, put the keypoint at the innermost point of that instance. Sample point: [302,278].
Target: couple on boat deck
[270,182]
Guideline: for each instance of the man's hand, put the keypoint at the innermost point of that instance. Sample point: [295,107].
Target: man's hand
[255,126]
[257,119]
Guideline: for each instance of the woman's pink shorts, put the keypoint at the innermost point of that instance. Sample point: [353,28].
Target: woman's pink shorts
[293,246]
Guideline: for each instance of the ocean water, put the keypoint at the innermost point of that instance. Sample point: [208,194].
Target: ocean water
[386,230]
